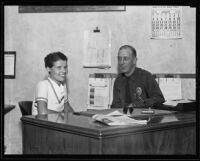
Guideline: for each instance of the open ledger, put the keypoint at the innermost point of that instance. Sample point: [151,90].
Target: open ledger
[117,118]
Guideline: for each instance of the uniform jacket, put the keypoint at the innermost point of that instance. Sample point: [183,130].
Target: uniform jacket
[142,80]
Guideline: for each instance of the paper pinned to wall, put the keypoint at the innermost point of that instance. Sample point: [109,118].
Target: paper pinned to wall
[171,88]
[97,49]
[98,93]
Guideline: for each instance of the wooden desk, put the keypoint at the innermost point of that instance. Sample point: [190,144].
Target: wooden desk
[77,134]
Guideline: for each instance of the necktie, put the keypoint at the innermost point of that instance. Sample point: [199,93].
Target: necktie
[127,92]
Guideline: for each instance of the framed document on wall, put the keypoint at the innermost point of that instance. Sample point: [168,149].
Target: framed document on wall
[9,64]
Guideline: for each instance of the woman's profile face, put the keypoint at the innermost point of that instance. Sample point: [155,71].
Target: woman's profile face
[58,71]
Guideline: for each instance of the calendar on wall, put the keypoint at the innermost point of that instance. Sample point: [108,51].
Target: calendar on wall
[166,22]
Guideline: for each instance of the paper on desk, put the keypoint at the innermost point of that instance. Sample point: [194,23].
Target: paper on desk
[115,113]
[117,118]
[175,102]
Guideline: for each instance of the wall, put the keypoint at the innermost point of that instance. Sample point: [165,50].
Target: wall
[34,35]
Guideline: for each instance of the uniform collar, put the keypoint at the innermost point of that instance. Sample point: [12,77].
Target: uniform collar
[134,74]
[54,82]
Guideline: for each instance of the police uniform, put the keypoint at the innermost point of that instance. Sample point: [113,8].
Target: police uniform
[142,85]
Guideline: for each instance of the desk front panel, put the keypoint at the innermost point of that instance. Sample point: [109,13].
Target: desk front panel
[169,141]
[40,140]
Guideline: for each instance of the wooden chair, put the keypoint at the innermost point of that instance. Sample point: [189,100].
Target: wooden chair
[25,107]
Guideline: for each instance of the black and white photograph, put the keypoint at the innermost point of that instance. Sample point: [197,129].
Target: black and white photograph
[100,81]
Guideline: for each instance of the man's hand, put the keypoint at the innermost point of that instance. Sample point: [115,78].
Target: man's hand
[139,104]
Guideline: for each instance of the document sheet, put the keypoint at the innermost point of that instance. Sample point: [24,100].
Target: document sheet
[100,90]
[99,93]
[117,118]
[97,49]
[171,88]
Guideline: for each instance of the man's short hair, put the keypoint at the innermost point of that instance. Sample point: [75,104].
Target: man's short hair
[53,57]
[129,47]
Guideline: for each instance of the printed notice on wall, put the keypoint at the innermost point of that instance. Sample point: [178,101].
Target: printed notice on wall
[166,22]
[97,49]
[98,93]
[171,88]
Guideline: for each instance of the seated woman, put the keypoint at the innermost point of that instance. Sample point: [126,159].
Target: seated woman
[51,95]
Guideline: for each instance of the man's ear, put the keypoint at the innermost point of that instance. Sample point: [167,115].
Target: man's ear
[135,60]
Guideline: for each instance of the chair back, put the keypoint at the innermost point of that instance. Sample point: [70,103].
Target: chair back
[25,107]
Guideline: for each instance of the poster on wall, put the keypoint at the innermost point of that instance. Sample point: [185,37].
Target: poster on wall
[97,49]
[9,64]
[166,22]
[100,89]
[171,88]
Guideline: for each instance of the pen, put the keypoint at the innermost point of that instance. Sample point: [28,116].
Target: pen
[147,112]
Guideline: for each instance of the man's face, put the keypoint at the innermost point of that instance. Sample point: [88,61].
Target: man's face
[58,71]
[126,61]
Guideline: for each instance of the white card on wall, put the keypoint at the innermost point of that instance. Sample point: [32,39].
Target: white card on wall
[171,88]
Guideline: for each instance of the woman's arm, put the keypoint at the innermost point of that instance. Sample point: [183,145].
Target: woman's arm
[68,107]
[42,108]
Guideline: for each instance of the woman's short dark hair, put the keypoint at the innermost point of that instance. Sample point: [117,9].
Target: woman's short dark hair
[129,47]
[53,57]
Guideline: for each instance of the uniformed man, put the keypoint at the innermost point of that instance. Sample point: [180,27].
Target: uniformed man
[134,86]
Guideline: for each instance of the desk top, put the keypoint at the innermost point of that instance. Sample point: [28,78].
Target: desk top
[8,108]
[85,125]
[136,113]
